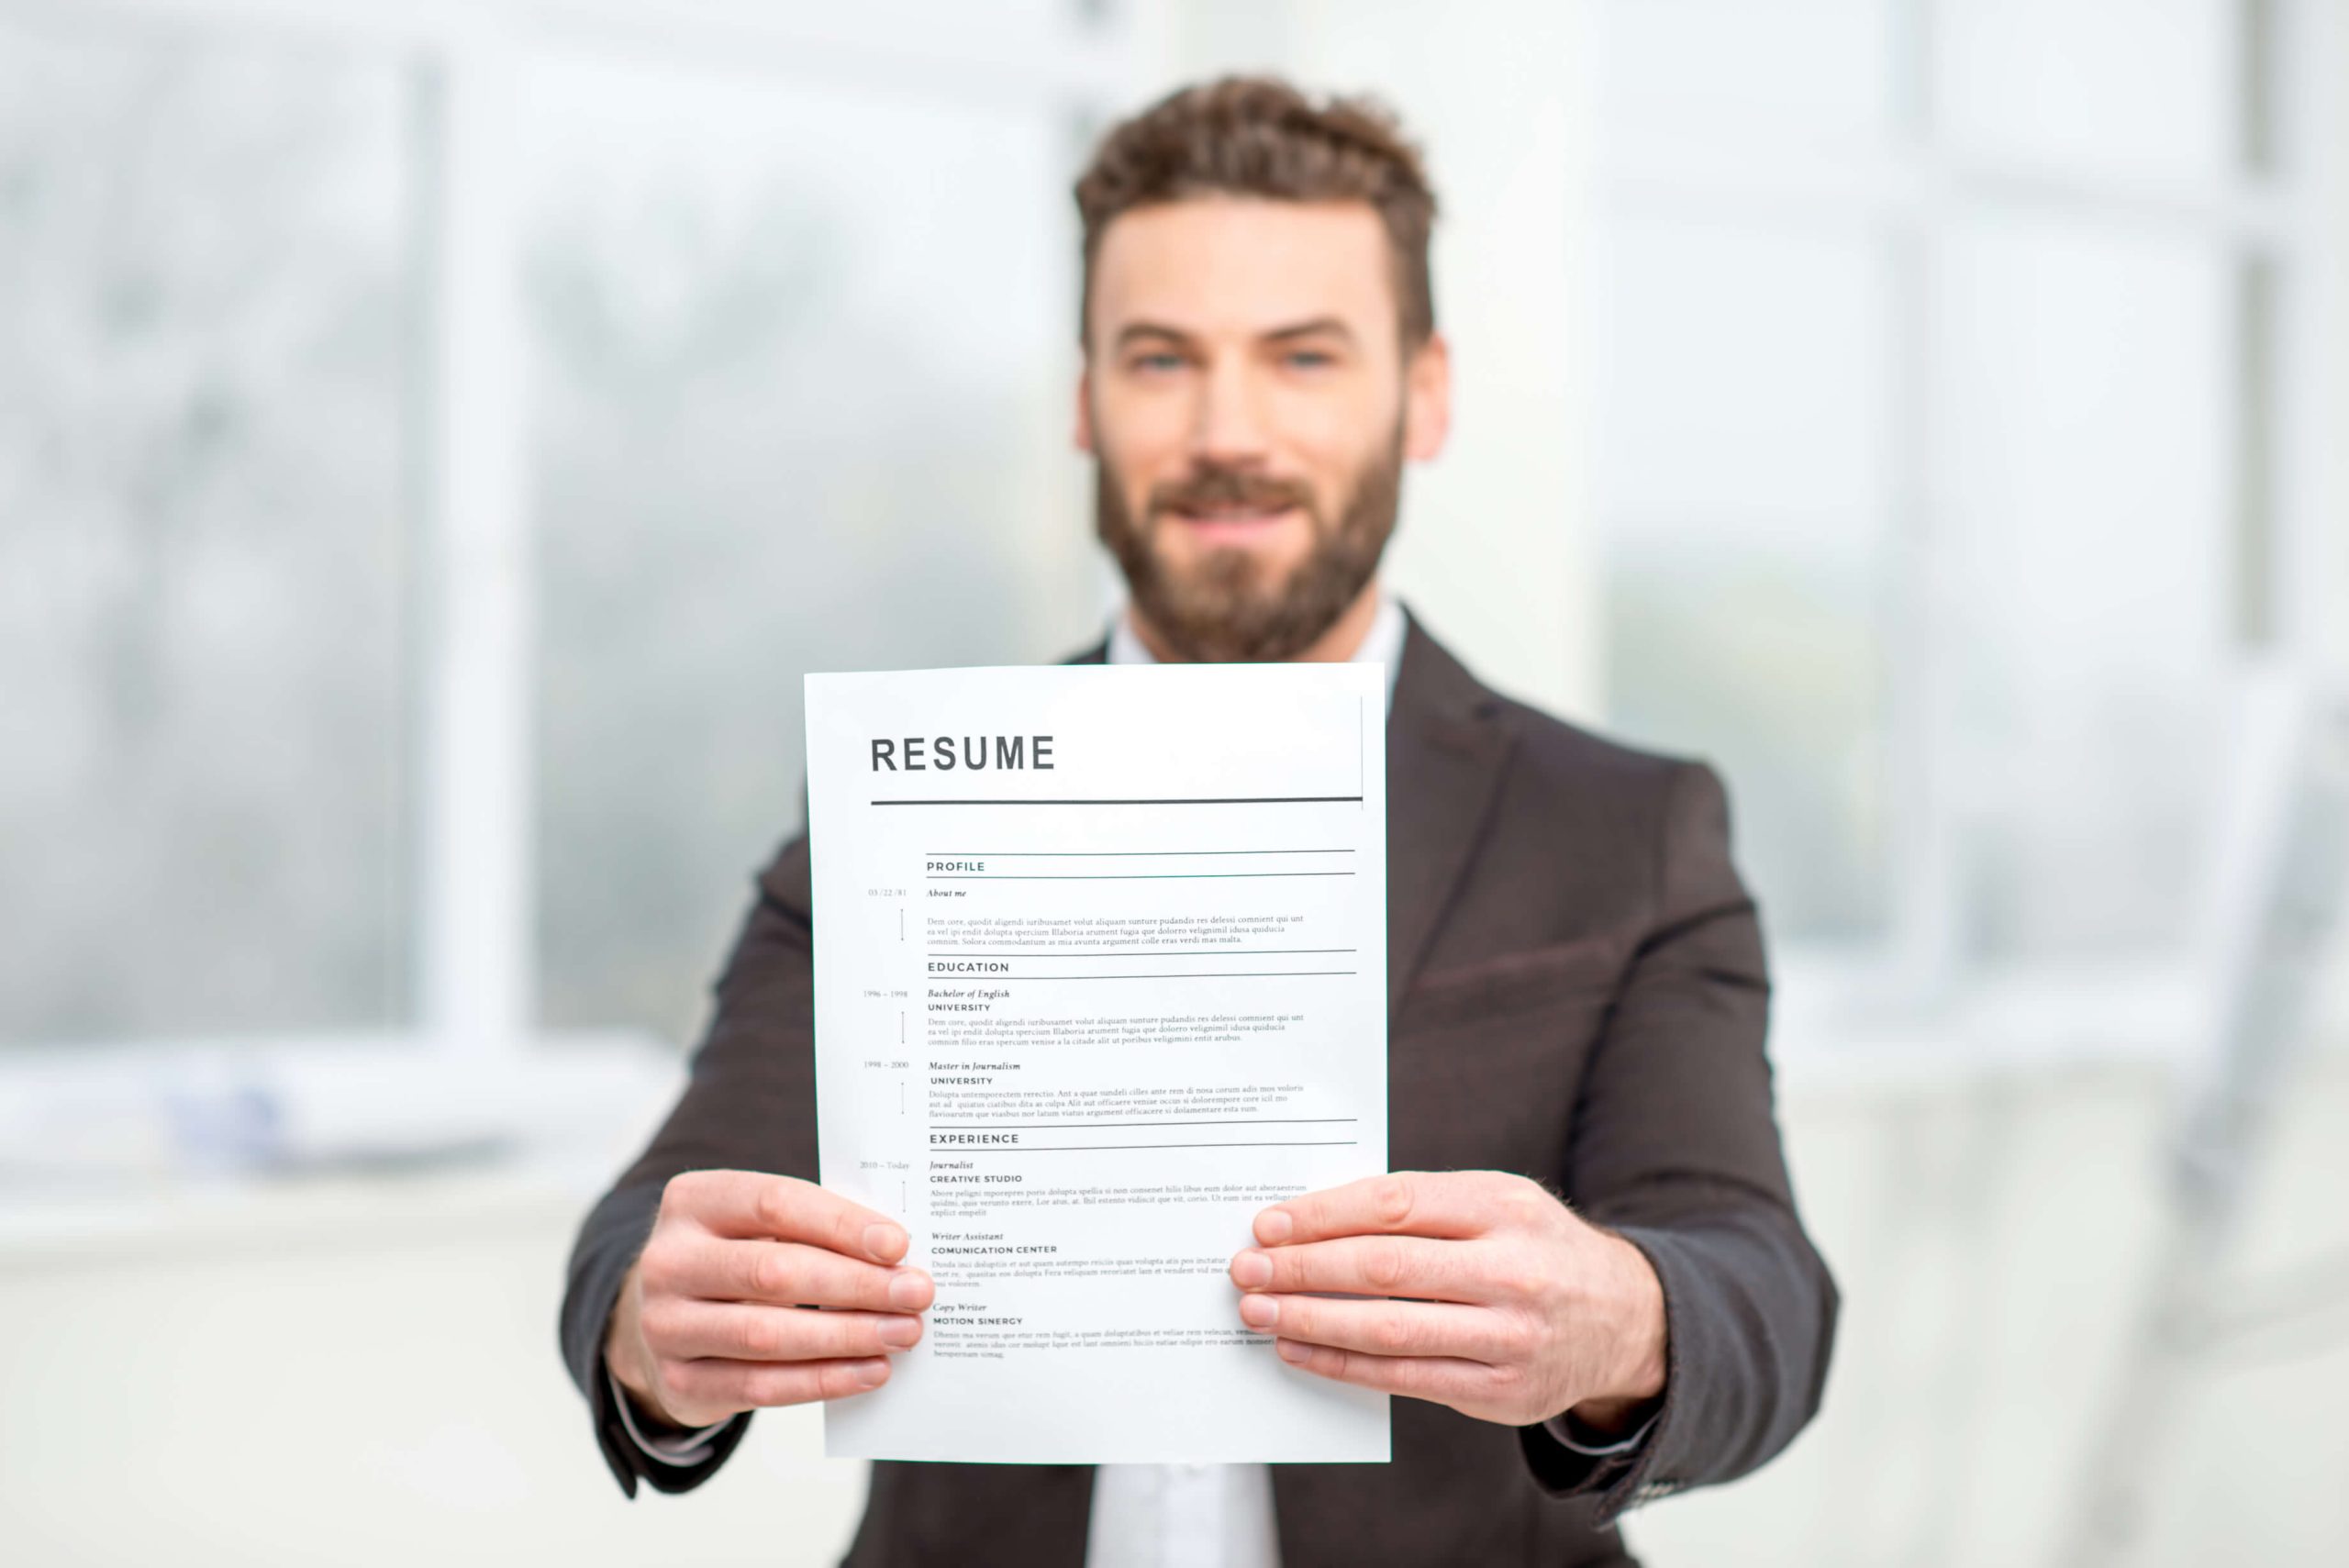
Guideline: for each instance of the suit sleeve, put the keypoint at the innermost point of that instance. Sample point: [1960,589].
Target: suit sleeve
[1674,1146]
[749,1104]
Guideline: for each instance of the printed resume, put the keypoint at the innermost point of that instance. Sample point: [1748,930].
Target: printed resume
[1100,973]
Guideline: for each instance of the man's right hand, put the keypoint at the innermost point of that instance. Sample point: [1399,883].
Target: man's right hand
[709,1322]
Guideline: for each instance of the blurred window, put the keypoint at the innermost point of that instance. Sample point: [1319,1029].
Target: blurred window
[2139,90]
[2088,383]
[796,343]
[434,445]
[1746,469]
[1932,345]
[1808,69]
[206,600]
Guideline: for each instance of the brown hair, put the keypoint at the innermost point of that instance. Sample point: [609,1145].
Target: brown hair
[1257,135]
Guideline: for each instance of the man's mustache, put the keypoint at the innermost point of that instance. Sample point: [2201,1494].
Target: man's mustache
[1213,487]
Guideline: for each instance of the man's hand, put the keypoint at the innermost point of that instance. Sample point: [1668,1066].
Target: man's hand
[1513,1308]
[709,1322]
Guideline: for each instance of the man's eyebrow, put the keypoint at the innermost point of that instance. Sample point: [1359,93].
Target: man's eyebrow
[1133,329]
[1312,328]
[1319,326]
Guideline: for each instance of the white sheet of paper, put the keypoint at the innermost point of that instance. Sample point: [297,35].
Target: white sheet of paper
[1081,1013]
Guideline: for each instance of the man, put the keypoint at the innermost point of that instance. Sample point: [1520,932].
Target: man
[1589,1283]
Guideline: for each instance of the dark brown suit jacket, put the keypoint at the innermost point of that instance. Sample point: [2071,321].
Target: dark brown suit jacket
[1577,994]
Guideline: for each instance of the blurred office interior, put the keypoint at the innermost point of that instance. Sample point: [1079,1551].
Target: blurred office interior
[436,436]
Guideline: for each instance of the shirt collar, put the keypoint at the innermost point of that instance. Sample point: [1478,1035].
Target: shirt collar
[1381,645]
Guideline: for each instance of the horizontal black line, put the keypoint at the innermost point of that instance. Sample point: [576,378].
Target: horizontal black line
[1125,875]
[1147,800]
[1125,952]
[1204,974]
[1095,1147]
[1232,1121]
[1109,854]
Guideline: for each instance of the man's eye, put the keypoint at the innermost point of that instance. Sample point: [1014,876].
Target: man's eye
[1157,362]
[1309,359]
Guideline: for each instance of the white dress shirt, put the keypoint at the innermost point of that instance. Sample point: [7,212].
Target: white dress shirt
[1164,1516]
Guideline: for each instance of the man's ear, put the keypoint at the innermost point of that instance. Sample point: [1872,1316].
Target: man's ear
[1083,433]
[1427,400]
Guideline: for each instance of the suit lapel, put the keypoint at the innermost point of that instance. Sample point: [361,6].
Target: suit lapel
[1446,757]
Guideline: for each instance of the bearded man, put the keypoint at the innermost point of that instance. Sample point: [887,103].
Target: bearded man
[1587,1281]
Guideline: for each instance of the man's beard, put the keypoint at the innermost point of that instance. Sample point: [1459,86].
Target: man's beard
[1233,607]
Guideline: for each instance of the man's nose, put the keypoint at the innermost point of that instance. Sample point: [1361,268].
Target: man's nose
[1229,428]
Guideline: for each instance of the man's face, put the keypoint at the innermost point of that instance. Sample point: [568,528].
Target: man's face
[1248,399]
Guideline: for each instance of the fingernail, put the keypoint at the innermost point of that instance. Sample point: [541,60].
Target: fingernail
[909,1291]
[1290,1349]
[884,1242]
[1252,1271]
[1259,1311]
[901,1332]
[1274,1226]
[872,1374]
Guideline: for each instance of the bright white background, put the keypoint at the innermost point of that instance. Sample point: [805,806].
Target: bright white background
[434,440]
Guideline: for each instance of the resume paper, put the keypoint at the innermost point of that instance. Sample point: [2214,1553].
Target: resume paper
[1100,973]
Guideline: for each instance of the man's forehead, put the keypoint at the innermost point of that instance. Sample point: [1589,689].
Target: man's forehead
[1239,264]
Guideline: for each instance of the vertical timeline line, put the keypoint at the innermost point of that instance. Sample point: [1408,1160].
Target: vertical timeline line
[1361,753]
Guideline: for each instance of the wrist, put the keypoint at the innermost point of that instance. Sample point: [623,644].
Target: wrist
[626,1359]
[1605,1420]
[1635,1384]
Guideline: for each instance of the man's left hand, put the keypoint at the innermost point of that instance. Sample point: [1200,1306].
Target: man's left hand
[1502,1302]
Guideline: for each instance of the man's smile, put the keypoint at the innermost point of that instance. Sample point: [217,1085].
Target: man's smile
[1244,524]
